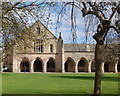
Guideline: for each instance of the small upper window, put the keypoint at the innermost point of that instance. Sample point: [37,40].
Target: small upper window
[51,48]
[38,30]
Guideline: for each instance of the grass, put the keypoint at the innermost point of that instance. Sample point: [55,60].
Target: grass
[56,83]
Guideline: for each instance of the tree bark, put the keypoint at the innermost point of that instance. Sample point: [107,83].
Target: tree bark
[102,30]
[99,49]
[98,64]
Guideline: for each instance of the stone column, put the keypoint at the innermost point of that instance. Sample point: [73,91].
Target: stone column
[102,67]
[18,67]
[116,63]
[63,67]
[63,61]
[44,67]
[89,67]
[76,68]
[31,66]
[16,64]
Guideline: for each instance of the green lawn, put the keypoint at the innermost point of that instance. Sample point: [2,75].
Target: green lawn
[56,83]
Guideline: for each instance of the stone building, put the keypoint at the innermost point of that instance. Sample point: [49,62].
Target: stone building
[55,56]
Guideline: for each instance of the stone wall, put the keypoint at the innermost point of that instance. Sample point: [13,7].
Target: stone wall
[66,57]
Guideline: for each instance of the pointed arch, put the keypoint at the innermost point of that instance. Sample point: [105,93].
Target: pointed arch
[69,65]
[38,65]
[83,65]
[25,65]
[51,65]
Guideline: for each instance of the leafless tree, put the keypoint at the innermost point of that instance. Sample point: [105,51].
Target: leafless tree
[103,28]
[16,19]
[102,16]
[15,24]
[103,13]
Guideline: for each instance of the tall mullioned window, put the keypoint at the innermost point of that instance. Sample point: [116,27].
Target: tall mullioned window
[38,45]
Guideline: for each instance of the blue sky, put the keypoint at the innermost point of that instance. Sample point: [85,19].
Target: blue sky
[65,28]
[65,24]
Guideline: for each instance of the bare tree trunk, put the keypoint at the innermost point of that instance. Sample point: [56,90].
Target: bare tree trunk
[99,36]
[99,49]
[98,64]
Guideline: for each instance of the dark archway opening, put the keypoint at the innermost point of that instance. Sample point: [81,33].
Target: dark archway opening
[24,66]
[66,67]
[118,67]
[81,65]
[69,66]
[106,67]
[37,66]
[50,66]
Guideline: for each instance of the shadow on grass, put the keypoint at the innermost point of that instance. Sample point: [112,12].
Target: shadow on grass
[115,79]
[57,95]
[4,74]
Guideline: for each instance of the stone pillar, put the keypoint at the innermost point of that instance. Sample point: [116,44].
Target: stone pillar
[116,63]
[31,67]
[89,67]
[76,68]
[18,67]
[44,67]
[63,62]
[16,64]
[102,67]
[63,68]
[60,55]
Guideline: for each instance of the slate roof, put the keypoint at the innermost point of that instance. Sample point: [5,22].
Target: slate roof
[79,47]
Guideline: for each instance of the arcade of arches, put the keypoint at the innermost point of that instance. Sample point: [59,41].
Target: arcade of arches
[69,66]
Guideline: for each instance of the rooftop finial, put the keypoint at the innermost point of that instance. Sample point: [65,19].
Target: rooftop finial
[60,35]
